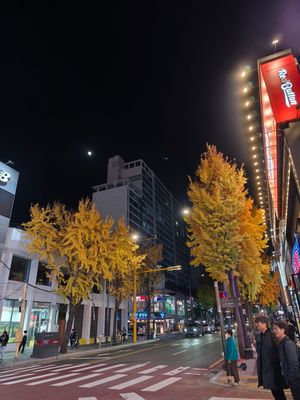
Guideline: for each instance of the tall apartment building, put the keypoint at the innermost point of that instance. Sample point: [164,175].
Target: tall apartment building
[134,192]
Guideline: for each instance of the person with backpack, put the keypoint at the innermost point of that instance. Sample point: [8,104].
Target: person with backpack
[289,358]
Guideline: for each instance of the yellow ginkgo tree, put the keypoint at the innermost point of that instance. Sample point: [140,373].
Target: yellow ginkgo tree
[77,247]
[126,261]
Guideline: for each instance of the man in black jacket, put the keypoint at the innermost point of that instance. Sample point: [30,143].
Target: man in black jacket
[289,360]
[268,364]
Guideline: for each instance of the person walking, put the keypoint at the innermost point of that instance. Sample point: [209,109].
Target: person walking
[23,342]
[4,338]
[124,334]
[231,359]
[268,363]
[289,359]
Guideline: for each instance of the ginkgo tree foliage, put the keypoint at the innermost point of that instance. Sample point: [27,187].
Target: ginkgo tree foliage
[79,247]
[125,263]
[226,231]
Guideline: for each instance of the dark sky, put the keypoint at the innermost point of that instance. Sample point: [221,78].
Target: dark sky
[141,79]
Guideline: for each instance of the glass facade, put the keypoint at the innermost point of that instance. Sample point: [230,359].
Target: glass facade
[10,318]
[41,316]
[43,277]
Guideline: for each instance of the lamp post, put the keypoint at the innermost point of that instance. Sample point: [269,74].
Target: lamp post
[274,43]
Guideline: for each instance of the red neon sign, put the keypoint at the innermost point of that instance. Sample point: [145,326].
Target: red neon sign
[282,81]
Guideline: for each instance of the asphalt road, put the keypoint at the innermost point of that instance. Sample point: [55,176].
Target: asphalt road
[174,368]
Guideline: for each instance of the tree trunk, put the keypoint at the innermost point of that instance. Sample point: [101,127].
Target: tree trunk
[241,341]
[249,312]
[117,305]
[148,309]
[72,312]
[248,354]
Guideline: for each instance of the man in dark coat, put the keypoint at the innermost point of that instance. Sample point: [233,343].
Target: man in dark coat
[289,360]
[268,364]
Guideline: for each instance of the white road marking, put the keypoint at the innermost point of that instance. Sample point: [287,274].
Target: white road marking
[87,398]
[10,372]
[231,398]
[160,385]
[70,367]
[13,377]
[176,371]
[51,367]
[154,369]
[191,373]
[56,378]
[178,352]
[81,378]
[133,367]
[107,368]
[131,382]
[104,380]
[29,379]
[86,368]
[131,396]
[175,344]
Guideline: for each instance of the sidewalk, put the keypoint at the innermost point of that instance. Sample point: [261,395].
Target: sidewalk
[248,378]
[84,350]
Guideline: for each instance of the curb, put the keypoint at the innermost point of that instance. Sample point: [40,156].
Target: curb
[77,354]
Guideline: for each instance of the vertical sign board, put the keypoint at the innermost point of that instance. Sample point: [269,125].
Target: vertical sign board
[279,80]
[8,185]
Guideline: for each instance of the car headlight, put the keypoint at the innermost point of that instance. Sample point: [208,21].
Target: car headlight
[185,329]
[195,329]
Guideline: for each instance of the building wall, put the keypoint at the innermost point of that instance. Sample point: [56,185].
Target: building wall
[43,306]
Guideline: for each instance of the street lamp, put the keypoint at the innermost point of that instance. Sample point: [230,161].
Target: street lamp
[186,211]
[274,43]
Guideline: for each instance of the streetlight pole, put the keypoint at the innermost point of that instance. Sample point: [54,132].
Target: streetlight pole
[19,332]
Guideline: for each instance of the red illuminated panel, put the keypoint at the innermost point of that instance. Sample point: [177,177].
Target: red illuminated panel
[282,82]
[270,142]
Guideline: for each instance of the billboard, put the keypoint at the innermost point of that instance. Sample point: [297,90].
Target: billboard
[8,186]
[282,80]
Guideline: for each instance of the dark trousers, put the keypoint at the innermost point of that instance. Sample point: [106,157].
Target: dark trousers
[295,389]
[22,347]
[231,370]
[278,394]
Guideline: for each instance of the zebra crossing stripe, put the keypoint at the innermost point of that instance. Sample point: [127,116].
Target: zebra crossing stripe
[107,368]
[81,378]
[86,368]
[160,385]
[131,382]
[51,367]
[176,371]
[28,379]
[70,367]
[104,380]
[131,396]
[154,369]
[12,371]
[14,377]
[56,378]
[133,367]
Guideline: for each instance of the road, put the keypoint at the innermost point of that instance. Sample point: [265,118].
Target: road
[170,369]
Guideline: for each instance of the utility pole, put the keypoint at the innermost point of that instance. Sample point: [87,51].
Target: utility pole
[19,332]
[219,308]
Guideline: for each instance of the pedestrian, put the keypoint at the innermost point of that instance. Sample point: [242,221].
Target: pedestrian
[4,338]
[268,363]
[124,334]
[23,342]
[289,358]
[231,359]
[73,338]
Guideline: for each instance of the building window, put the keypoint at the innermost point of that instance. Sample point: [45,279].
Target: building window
[10,318]
[43,277]
[19,269]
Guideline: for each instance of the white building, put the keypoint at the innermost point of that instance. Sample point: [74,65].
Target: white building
[45,310]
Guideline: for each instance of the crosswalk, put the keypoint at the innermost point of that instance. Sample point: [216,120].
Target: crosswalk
[143,377]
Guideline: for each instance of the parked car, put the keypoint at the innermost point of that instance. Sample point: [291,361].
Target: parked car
[193,329]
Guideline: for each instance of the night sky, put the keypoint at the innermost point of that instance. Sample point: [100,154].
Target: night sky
[151,80]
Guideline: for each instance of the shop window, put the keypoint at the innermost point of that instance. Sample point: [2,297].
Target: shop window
[10,318]
[43,277]
[19,269]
